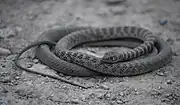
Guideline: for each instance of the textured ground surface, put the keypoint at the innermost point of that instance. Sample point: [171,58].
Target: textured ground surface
[22,21]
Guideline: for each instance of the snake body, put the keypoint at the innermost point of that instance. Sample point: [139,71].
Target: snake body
[47,57]
[160,55]
[108,33]
[127,68]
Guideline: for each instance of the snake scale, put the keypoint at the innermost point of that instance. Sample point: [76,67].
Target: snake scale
[129,67]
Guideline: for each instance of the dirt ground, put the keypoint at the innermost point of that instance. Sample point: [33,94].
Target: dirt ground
[22,21]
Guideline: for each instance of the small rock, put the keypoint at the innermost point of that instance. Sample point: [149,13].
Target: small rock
[21,92]
[114,2]
[119,102]
[107,95]
[3,90]
[3,73]
[100,95]
[118,10]
[155,92]
[75,101]
[17,77]
[7,32]
[169,82]
[164,100]
[4,52]
[167,95]
[29,65]
[104,87]
[3,65]
[137,93]
[36,61]
[176,53]
[6,79]
[169,40]
[159,87]
[121,94]
[92,95]
[160,73]
[163,22]
[18,28]
[103,12]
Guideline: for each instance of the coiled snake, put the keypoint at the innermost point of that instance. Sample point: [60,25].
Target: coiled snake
[79,64]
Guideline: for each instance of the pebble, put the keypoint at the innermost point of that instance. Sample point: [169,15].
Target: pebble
[103,86]
[3,65]
[169,82]
[176,53]
[114,2]
[21,92]
[137,93]
[107,95]
[118,10]
[120,102]
[100,95]
[160,73]
[169,40]
[155,92]
[36,61]
[4,51]
[29,65]
[75,101]
[18,28]
[163,22]
[164,100]
[17,77]
[6,79]
[7,32]
[121,94]
[159,87]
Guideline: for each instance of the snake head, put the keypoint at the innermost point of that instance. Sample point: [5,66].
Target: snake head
[111,57]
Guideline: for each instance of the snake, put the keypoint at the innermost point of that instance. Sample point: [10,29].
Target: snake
[127,68]
[52,36]
[108,33]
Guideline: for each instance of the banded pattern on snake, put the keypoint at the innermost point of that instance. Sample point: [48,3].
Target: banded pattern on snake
[128,68]
[136,66]
[108,33]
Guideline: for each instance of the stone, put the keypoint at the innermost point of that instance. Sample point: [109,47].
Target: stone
[6,79]
[4,51]
[29,65]
[118,10]
[36,61]
[160,73]
[104,87]
[7,32]
[169,82]
[100,95]
[75,101]
[120,102]
[121,94]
